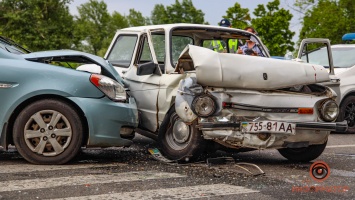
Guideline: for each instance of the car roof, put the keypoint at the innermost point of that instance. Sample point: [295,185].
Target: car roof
[343,46]
[170,26]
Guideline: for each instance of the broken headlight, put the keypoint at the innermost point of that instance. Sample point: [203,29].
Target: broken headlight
[329,110]
[204,106]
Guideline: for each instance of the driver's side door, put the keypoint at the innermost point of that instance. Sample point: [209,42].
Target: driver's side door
[144,86]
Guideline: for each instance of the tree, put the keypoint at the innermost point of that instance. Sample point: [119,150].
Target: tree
[159,15]
[135,18]
[184,12]
[93,27]
[272,26]
[37,24]
[327,19]
[238,16]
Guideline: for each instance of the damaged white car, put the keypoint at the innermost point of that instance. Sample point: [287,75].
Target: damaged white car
[190,97]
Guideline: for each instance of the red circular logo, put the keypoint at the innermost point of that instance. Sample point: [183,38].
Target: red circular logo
[319,171]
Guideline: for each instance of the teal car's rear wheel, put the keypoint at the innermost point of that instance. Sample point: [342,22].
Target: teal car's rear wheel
[48,132]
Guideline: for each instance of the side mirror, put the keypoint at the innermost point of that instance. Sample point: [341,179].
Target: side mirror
[148,68]
[91,68]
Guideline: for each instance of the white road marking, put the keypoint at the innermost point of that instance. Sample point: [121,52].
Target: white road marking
[190,192]
[25,168]
[84,180]
[341,146]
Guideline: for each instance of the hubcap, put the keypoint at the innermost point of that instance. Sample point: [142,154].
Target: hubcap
[48,133]
[181,131]
[178,134]
[350,114]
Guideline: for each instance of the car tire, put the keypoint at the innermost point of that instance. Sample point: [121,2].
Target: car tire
[41,140]
[347,112]
[304,154]
[179,141]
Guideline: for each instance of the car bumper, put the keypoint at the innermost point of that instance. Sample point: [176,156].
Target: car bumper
[105,119]
[321,126]
[307,133]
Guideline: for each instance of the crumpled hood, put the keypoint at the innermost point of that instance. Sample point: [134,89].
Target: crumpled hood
[248,72]
[71,53]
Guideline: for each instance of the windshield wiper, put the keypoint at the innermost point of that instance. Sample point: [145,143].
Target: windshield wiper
[12,43]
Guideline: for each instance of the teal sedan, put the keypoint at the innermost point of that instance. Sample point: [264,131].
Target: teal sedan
[48,112]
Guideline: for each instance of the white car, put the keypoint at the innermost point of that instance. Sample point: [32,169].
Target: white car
[191,98]
[341,62]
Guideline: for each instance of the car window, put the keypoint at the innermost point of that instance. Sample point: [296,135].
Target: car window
[215,45]
[343,57]
[159,48]
[12,47]
[178,44]
[122,51]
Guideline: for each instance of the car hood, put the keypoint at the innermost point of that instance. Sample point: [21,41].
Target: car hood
[75,55]
[338,71]
[247,72]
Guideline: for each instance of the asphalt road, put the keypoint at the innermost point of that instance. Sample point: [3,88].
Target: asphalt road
[131,173]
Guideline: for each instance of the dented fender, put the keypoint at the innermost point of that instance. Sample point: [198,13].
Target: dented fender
[187,90]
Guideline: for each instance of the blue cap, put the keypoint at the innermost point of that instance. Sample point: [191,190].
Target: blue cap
[225,23]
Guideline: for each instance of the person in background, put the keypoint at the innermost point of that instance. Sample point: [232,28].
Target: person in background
[233,44]
[250,47]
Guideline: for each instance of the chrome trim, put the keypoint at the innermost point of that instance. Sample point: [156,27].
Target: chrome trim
[259,108]
[6,85]
[321,126]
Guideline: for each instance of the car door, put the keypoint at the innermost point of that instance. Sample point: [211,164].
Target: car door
[145,88]
[309,52]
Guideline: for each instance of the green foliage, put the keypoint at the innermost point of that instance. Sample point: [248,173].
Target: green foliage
[184,12]
[272,25]
[38,24]
[329,19]
[136,18]
[92,27]
[238,16]
[159,15]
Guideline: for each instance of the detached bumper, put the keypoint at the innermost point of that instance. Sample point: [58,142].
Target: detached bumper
[321,126]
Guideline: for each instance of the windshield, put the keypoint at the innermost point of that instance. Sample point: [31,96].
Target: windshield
[11,46]
[343,57]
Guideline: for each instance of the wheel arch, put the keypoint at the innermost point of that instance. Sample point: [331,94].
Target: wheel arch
[166,117]
[351,93]
[6,139]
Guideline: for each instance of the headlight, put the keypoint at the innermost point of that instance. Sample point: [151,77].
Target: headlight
[329,110]
[203,106]
[111,88]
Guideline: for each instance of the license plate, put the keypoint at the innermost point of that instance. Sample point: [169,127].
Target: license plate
[268,126]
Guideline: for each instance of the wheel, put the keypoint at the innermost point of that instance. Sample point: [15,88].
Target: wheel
[180,141]
[347,112]
[305,154]
[48,132]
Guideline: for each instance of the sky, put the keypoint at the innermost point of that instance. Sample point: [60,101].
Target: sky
[213,9]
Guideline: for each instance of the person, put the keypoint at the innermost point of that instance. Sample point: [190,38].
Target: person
[250,47]
[233,44]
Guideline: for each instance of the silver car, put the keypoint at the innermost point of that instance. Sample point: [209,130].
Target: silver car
[191,98]
[340,61]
